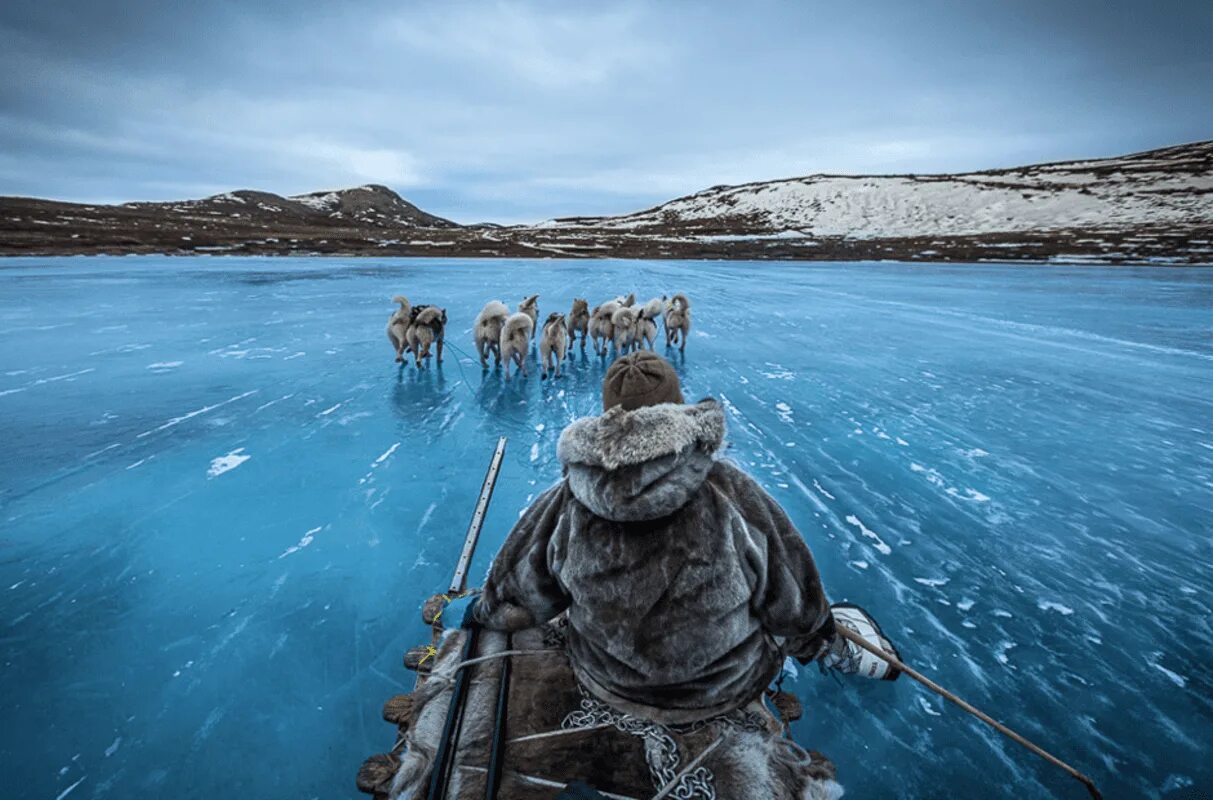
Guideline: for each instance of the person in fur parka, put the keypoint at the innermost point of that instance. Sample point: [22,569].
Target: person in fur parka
[685,583]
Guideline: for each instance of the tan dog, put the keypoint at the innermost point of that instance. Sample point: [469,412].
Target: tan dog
[554,342]
[624,323]
[579,320]
[516,340]
[487,331]
[602,331]
[397,326]
[428,327]
[678,322]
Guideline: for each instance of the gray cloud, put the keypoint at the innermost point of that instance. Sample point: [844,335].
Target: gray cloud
[519,111]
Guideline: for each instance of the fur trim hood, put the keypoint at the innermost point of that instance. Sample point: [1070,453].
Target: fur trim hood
[642,464]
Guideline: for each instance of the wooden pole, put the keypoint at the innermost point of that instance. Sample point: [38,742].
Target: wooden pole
[896,663]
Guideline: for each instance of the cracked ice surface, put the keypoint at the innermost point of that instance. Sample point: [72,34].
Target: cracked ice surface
[222,505]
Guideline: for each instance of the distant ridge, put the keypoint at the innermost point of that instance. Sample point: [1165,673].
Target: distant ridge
[1153,207]
[372,204]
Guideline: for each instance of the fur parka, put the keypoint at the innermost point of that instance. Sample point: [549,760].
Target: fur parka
[685,583]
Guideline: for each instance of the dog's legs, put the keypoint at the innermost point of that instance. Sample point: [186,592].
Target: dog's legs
[441,344]
[482,348]
[397,345]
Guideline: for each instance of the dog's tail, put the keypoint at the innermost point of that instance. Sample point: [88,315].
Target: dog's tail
[493,310]
[429,316]
[652,309]
[402,300]
[624,317]
[518,327]
[681,300]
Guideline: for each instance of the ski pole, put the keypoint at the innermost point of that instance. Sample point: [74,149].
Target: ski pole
[896,663]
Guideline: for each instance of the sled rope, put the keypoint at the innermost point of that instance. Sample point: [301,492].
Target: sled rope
[480,659]
[896,663]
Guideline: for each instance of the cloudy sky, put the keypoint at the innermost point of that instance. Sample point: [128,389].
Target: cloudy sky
[513,111]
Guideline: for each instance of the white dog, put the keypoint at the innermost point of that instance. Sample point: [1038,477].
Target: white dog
[624,323]
[516,340]
[487,331]
[602,330]
[397,326]
[678,322]
[554,342]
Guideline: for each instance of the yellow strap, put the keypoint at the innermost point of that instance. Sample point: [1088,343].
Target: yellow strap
[430,652]
[449,598]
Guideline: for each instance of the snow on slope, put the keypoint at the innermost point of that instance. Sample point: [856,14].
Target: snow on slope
[1163,187]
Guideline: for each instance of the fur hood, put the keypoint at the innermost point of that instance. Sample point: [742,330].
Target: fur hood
[643,464]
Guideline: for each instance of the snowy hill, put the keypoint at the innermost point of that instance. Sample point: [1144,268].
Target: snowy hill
[1169,187]
[372,205]
[1147,208]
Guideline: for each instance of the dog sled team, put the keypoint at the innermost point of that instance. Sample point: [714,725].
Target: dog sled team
[620,325]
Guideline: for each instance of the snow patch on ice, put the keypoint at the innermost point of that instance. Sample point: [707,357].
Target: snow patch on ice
[1174,677]
[69,789]
[871,534]
[196,412]
[934,583]
[227,463]
[387,454]
[926,706]
[1049,605]
[303,542]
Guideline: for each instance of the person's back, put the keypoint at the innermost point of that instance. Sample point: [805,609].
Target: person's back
[685,583]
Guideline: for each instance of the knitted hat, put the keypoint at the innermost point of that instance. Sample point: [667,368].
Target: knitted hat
[640,379]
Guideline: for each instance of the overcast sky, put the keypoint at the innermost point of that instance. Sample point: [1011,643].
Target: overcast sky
[521,111]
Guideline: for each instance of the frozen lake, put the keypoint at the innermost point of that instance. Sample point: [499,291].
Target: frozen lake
[222,505]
